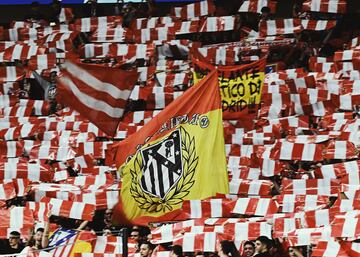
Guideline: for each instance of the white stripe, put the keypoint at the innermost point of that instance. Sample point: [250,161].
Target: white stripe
[242,231]
[322,217]
[349,227]
[190,11]
[100,244]
[195,209]
[17,217]
[340,150]
[288,203]
[332,6]
[332,249]
[209,242]
[321,25]
[85,25]
[216,208]
[254,187]
[308,152]
[262,207]
[89,50]
[96,84]
[56,206]
[204,8]
[271,27]
[315,5]
[141,50]
[2,192]
[324,187]
[91,102]
[188,242]
[286,151]
[241,205]
[244,7]
[11,149]
[265,229]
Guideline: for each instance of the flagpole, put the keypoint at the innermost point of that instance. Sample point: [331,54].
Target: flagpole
[124,236]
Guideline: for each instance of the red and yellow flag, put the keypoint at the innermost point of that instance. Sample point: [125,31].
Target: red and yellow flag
[179,155]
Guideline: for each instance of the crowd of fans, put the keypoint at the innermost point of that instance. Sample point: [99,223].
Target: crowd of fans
[42,86]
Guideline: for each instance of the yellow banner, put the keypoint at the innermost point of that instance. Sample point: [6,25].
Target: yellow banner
[240,86]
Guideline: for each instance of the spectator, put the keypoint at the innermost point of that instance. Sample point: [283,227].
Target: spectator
[227,248]
[35,13]
[265,13]
[49,87]
[295,252]
[249,249]
[108,218]
[128,13]
[146,249]
[262,247]
[176,251]
[93,7]
[25,88]
[14,244]
[55,9]
[135,234]
[35,240]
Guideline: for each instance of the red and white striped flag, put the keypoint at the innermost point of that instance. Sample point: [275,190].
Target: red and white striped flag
[216,24]
[11,73]
[308,236]
[329,248]
[97,93]
[194,10]
[318,25]
[255,206]
[107,244]
[346,227]
[279,27]
[66,15]
[293,151]
[257,5]
[326,187]
[327,6]
[295,203]
[90,24]
[70,209]
[16,217]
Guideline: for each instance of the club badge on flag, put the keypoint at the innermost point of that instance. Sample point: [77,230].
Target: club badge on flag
[179,151]
[66,242]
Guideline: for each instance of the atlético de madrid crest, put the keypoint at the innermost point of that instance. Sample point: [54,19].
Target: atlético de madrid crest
[163,172]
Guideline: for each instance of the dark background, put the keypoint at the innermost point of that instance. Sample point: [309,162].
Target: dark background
[284,9]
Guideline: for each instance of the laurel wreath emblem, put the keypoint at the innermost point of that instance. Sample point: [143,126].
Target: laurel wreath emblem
[180,190]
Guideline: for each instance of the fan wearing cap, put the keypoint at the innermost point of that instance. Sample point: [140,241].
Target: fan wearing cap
[14,244]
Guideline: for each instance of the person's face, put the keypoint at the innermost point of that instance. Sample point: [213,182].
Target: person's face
[38,236]
[145,250]
[26,86]
[259,247]
[108,215]
[249,250]
[134,235]
[292,252]
[14,241]
[264,15]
